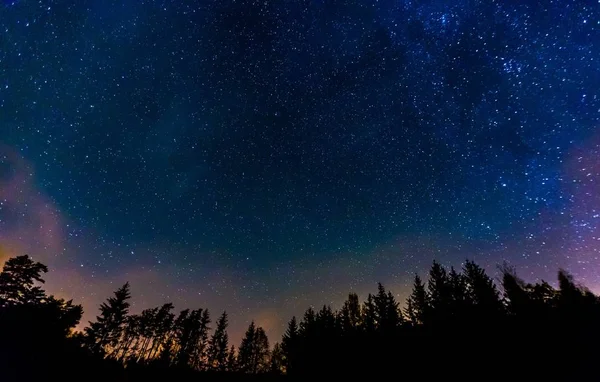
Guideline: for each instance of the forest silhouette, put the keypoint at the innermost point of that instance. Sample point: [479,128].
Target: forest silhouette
[456,324]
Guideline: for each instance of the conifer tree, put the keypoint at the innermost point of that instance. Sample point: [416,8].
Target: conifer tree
[370,315]
[106,331]
[161,327]
[439,291]
[325,321]
[387,312]
[201,340]
[439,287]
[17,281]
[481,290]
[458,287]
[417,305]
[277,360]
[191,331]
[232,360]
[262,354]
[350,314]
[246,350]
[253,357]
[290,345]
[219,345]
[308,322]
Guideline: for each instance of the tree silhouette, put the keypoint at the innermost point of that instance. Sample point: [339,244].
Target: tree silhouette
[105,332]
[219,345]
[253,357]
[440,292]
[162,326]
[308,321]
[61,315]
[481,290]
[387,312]
[18,293]
[36,330]
[351,314]
[290,346]
[144,333]
[417,304]
[191,332]
[262,353]
[460,294]
[202,340]
[370,315]
[277,360]
[246,357]
[232,365]
[453,316]
[166,353]
[17,281]
[325,321]
[131,333]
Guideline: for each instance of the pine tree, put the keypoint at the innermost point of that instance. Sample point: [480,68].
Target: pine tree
[370,315]
[350,314]
[17,281]
[179,334]
[60,316]
[387,314]
[308,322]
[571,294]
[253,357]
[191,332]
[439,287]
[146,331]
[516,297]
[218,345]
[202,340]
[481,289]
[458,286]
[290,345]
[131,335]
[262,353]
[277,360]
[107,330]
[232,364]
[440,295]
[162,325]
[325,322]
[20,295]
[394,313]
[417,305]
[246,350]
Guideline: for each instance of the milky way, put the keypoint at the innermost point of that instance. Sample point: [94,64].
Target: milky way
[262,156]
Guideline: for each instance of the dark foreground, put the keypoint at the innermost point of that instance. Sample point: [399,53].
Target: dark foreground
[455,326]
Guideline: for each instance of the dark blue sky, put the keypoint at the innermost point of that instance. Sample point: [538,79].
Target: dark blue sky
[261,156]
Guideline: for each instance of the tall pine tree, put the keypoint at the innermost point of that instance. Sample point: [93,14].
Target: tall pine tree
[106,331]
[253,357]
[417,304]
[290,345]
[218,345]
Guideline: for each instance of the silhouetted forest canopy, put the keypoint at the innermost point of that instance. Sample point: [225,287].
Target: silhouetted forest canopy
[455,323]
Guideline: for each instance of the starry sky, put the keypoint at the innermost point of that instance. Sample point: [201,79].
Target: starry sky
[262,156]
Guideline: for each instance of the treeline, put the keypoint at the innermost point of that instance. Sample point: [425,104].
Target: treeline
[454,319]
[164,338]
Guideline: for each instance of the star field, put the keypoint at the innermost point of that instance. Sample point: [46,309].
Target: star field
[261,156]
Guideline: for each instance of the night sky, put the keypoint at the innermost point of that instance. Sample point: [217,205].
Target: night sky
[263,156]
